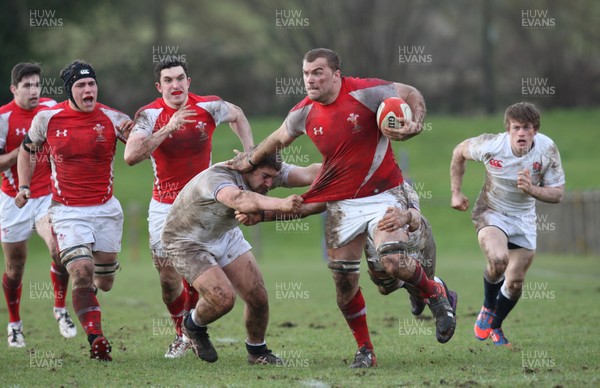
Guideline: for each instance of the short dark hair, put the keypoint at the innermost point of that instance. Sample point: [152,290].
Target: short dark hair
[167,64]
[333,59]
[24,69]
[271,160]
[523,112]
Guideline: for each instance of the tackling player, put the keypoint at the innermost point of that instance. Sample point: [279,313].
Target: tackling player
[202,239]
[359,179]
[522,166]
[420,244]
[18,225]
[175,132]
[80,135]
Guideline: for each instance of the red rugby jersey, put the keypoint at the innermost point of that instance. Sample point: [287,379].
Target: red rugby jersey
[14,124]
[82,150]
[358,161]
[185,152]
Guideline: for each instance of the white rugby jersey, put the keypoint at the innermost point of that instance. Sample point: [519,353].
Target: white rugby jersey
[499,191]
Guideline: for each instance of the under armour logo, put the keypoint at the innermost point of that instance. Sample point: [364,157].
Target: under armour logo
[21,131]
[318,131]
[60,133]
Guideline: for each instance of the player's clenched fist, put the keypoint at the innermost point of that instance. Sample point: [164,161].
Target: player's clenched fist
[460,202]
[292,204]
[524,181]
[22,197]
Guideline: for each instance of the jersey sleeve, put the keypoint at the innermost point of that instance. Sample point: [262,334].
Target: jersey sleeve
[218,109]
[295,121]
[480,146]
[373,96]
[281,180]
[117,119]
[217,178]
[39,126]
[145,120]
[554,175]
[3,129]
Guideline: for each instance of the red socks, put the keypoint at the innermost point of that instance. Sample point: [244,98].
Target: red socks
[355,313]
[60,283]
[12,293]
[176,310]
[423,283]
[191,299]
[88,310]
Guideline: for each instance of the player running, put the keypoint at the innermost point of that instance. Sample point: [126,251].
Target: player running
[80,135]
[175,132]
[359,179]
[522,166]
[17,225]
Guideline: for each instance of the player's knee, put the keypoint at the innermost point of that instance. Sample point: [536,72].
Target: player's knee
[15,270]
[221,298]
[75,254]
[259,301]
[391,251]
[515,288]
[497,265]
[104,275]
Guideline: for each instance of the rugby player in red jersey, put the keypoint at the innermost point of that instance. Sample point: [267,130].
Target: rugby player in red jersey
[175,131]
[17,225]
[80,135]
[359,179]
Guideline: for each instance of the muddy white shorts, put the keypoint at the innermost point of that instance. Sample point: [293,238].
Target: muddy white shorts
[348,218]
[98,225]
[18,224]
[191,258]
[157,214]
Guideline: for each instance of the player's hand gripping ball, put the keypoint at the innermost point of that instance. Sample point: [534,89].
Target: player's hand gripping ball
[392,113]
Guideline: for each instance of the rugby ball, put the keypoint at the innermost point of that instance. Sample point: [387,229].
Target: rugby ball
[391,110]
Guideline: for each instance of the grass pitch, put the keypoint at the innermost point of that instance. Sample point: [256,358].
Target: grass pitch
[552,327]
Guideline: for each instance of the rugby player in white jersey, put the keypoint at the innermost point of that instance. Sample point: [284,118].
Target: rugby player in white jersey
[522,166]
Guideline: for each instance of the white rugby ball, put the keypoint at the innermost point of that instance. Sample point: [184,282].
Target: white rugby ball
[391,111]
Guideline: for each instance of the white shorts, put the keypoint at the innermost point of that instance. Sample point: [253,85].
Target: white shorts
[520,230]
[348,218]
[157,214]
[191,258]
[98,225]
[16,224]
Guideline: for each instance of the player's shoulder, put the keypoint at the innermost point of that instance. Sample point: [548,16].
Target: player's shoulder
[49,111]
[46,102]
[155,104]
[107,109]
[543,140]
[195,99]
[7,107]
[356,83]
[302,104]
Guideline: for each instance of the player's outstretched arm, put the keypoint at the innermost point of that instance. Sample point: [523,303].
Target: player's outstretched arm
[245,161]
[142,141]
[240,126]
[458,166]
[250,202]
